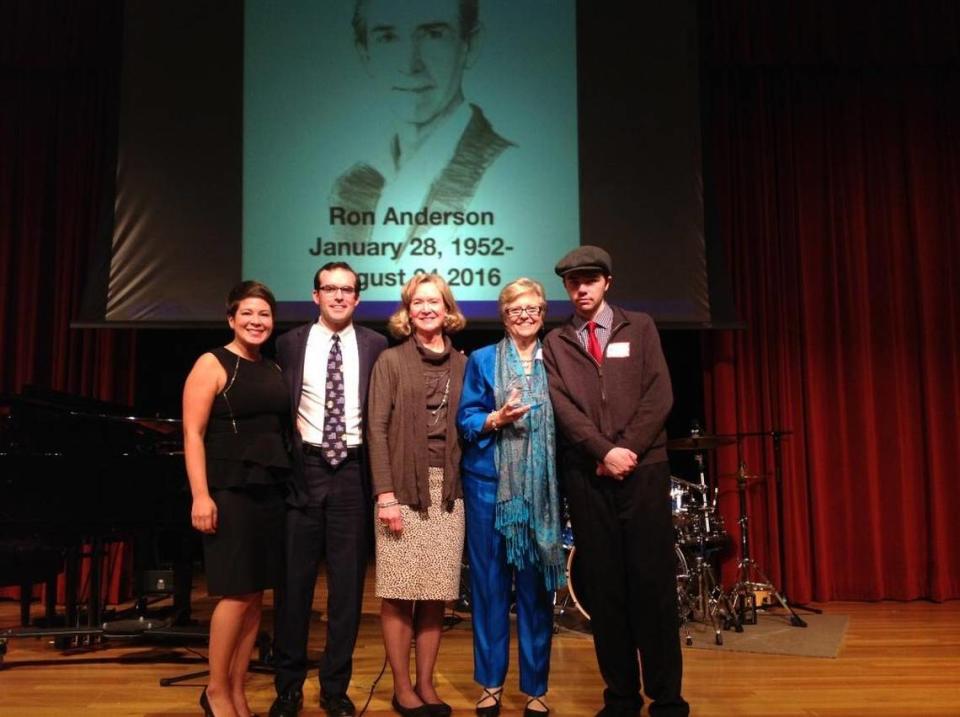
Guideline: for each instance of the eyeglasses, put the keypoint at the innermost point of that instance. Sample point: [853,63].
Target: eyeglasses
[532,311]
[331,290]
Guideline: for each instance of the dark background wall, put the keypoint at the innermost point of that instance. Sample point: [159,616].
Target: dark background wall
[832,177]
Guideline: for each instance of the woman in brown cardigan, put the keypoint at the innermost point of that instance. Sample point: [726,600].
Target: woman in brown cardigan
[415,464]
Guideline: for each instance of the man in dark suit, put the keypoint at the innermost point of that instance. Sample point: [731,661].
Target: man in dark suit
[327,367]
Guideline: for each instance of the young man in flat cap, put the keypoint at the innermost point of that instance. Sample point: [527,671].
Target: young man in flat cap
[611,395]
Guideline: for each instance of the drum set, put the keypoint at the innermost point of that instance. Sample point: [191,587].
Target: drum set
[699,536]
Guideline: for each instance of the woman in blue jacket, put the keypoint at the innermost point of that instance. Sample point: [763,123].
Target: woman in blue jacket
[511,501]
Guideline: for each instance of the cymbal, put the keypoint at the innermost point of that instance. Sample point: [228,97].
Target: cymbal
[698,443]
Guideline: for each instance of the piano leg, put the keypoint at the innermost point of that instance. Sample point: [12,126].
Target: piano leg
[50,600]
[183,579]
[93,595]
[26,597]
[71,571]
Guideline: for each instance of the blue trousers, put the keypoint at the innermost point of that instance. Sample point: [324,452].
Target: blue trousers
[490,583]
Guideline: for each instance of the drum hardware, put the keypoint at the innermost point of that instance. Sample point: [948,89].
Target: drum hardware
[684,598]
[752,584]
[698,442]
[563,599]
[709,604]
[776,436]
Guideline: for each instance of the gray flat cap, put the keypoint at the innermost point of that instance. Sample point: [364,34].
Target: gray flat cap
[585,258]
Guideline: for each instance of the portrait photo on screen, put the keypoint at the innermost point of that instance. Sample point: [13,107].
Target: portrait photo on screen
[435,135]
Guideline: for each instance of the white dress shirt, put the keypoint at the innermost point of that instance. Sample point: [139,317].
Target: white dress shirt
[310,412]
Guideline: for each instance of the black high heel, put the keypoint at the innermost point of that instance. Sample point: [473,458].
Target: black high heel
[205,704]
[527,712]
[489,710]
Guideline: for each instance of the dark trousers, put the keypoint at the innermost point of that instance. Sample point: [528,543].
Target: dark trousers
[626,563]
[334,526]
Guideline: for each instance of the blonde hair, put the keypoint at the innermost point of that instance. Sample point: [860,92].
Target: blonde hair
[521,286]
[399,323]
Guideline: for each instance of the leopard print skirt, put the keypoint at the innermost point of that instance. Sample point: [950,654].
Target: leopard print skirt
[423,561]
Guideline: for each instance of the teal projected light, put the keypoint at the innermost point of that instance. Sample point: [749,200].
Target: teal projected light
[409,136]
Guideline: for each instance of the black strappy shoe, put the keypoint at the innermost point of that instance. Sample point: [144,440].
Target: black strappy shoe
[490,710]
[527,712]
[205,704]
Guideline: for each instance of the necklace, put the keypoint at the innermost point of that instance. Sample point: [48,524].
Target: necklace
[443,402]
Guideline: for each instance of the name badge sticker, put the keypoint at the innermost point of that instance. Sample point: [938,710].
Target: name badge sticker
[620,349]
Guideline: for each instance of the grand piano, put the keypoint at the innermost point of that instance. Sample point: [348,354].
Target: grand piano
[77,475]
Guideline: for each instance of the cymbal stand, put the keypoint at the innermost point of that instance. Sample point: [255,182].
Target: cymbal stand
[750,577]
[713,604]
[776,436]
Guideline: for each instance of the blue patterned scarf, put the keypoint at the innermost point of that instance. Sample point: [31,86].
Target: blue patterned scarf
[528,507]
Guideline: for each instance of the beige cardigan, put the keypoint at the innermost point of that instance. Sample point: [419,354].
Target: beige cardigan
[397,427]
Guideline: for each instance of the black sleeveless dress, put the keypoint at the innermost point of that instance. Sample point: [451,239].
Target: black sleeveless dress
[248,466]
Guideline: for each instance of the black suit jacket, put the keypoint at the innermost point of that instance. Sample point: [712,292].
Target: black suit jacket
[291,352]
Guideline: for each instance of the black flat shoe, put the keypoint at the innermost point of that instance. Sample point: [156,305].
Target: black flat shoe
[435,709]
[438,709]
[420,711]
[527,712]
[489,710]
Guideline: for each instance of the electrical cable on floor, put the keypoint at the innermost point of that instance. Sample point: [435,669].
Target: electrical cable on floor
[373,686]
[448,622]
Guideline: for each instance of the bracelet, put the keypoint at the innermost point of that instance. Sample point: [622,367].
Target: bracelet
[493,421]
[388,504]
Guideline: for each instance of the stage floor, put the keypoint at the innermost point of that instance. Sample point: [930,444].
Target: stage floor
[895,659]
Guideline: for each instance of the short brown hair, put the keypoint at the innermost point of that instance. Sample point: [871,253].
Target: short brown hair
[399,323]
[249,290]
[330,266]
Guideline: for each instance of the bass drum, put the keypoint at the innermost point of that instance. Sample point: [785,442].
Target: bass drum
[682,572]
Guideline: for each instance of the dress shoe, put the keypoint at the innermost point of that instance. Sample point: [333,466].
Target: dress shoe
[420,711]
[490,710]
[337,705]
[287,705]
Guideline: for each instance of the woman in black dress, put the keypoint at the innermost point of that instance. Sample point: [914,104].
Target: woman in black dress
[235,412]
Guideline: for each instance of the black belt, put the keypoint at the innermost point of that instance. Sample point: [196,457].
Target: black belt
[312,449]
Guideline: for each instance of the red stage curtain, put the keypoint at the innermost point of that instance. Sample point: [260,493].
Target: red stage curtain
[59,84]
[836,170]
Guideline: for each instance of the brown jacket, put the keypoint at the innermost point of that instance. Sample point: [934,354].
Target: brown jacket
[623,402]
[397,427]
